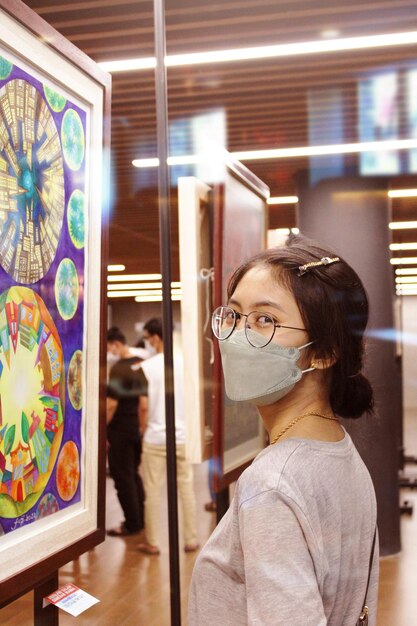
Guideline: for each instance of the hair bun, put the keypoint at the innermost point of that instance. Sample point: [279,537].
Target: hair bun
[355,397]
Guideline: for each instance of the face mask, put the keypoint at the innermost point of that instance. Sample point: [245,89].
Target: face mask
[149,347]
[259,375]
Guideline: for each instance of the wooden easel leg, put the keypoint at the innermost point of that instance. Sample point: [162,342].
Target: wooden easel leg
[48,616]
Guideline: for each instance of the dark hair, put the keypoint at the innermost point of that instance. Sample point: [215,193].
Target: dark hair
[154,327]
[115,334]
[334,308]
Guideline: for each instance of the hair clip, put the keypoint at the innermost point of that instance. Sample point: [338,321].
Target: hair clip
[326,260]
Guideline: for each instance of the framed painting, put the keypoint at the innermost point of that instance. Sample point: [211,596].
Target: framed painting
[54,139]
[195,217]
[240,227]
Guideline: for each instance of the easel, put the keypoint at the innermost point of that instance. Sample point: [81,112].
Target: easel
[48,615]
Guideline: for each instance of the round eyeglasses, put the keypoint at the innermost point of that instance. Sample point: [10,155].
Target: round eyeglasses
[259,327]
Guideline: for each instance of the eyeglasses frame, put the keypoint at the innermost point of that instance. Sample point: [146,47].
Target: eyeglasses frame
[235,321]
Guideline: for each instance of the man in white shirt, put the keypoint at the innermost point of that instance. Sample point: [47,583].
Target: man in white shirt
[152,420]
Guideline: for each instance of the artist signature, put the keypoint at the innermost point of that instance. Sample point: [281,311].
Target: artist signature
[24,519]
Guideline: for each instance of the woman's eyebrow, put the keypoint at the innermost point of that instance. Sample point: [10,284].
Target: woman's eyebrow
[270,303]
[258,304]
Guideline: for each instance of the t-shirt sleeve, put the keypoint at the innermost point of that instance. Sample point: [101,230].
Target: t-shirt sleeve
[281,584]
[142,382]
[126,380]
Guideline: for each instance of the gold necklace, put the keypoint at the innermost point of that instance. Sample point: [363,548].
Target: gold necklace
[297,419]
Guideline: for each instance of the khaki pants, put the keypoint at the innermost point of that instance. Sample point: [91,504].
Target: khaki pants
[154,470]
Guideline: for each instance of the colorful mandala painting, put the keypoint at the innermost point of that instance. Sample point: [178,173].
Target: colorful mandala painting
[42,249]
[68,471]
[73,143]
[32,195]
[75,374]
[75,217]
[31,399]
[47,505]
[66,289]
[55,100]
[5,68]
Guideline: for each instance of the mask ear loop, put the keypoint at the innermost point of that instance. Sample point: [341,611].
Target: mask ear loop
[309,369]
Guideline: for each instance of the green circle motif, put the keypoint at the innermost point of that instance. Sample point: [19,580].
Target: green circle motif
[66,289]
[55,100]
[73,143]
[5,68]
[75,373]
[75,218]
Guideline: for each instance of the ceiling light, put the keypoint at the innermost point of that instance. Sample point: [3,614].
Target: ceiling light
[399,225]
[406,280]
[184,159]
[288,153]
[128,65]
[126,286]
[325,150]
[411,260]
[151,287]
[285,231]
[263,52]
[175,298]
[116,268]
[406,271]
[152,162]
[407,293]
[403,246]
[126,277]
[411,289]
[144,292]
[282,200]
[402,193]
[131,293]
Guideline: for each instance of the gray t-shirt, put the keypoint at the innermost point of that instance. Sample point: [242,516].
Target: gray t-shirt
[295,544]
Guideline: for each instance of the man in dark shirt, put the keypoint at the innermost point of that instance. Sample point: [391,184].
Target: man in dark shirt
[124,443]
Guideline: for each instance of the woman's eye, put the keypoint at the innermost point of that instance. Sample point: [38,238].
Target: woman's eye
[265,320]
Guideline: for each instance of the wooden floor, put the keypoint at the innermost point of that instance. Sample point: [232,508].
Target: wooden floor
[134,589]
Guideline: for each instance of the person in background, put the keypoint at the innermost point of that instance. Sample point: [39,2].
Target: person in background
[299,539]
[124,443]
[139,349]
[152,419]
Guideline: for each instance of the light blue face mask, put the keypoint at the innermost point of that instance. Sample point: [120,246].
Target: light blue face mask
[259,375]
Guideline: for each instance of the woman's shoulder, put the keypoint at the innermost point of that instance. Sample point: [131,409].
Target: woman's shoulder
[293,464]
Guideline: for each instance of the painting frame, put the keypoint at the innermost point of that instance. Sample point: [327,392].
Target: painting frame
[251,215]
[59,538]
[196,275]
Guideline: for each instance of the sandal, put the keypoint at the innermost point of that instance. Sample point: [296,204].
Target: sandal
[122,531]
[146,548]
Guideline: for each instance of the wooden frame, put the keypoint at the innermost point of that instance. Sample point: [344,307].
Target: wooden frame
[33,549]
[240,226]
[194,214]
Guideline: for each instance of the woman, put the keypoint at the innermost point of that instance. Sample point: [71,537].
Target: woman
[295,545]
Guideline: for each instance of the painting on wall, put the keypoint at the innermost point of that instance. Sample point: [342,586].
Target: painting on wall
[42,263]
[240,228]
[51,149]
[195,217]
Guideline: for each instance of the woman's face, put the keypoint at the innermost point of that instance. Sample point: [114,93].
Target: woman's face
[259,291]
